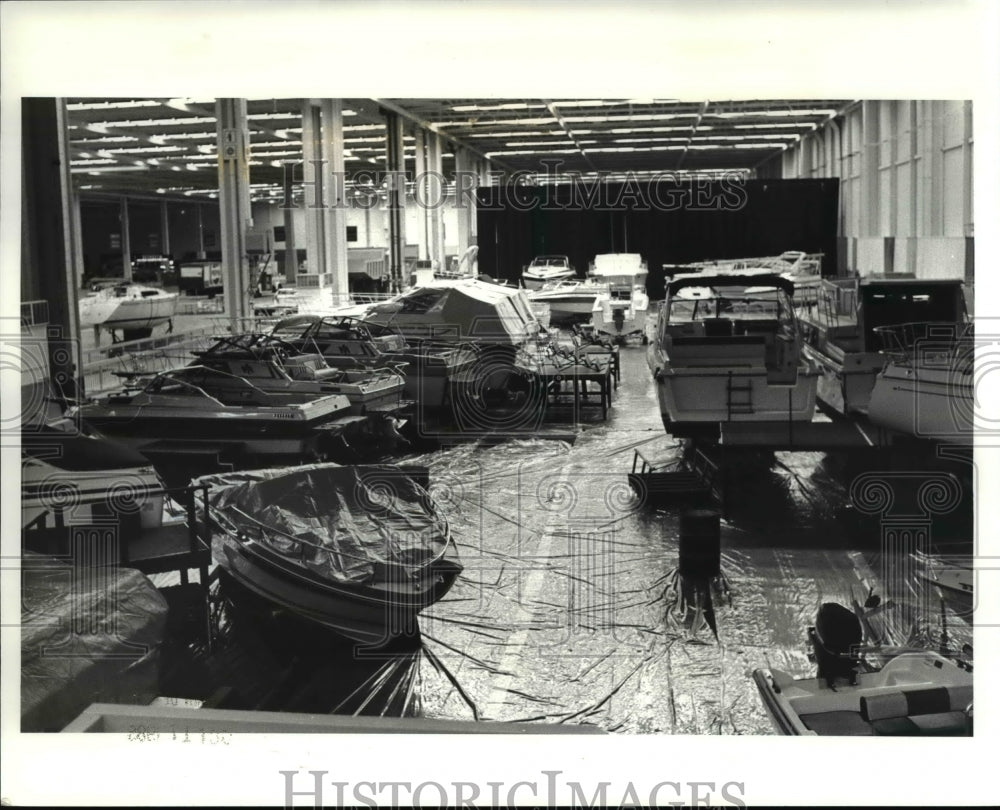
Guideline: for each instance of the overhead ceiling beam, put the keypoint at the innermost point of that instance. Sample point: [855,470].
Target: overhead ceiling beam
[694,129]
[569,133]
[195,110]
[438,130]
[103,129]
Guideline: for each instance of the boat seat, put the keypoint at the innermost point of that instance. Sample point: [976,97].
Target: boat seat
[838,724]
[737,340]
[718,327]
[938,711]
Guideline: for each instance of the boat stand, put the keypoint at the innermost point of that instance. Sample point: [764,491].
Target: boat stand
[578,376]
[174,547]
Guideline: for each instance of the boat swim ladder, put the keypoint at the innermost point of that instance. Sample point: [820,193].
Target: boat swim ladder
[739,396]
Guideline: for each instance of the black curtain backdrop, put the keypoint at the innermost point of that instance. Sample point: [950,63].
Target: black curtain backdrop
[667,222]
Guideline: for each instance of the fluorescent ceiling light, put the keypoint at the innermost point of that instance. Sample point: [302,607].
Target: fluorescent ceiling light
[532,152]
[149,122]
[111,105]
[131,150]
[607,119]
[280,153]
[170,136]
[548,119]
[768,125]
[769,113]
[514,105]
[540,143]
[558,133]
[106,139]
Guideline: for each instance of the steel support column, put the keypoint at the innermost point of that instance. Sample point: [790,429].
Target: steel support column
[47,240]
[126,243]
[312,189]
[234,205]
[869,169]
[76,224]
[465,199]
[435,201]
[164,229]
[334,215]
[201,232]
[420,193]
[395,198]
[291,251]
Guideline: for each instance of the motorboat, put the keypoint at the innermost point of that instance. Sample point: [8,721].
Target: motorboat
[70,478]
[128,308]
[569,301]
[619,268]
[728,349]
[280,368]
[459,311]
[363,560]
[803,269]
[953,577]
[841,333]
[926,388]
[173,414]
[861,691]
[494,317]
[429,368]
[620,310]
[545,269]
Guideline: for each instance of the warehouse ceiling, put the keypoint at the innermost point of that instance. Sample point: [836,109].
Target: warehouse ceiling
[168,146]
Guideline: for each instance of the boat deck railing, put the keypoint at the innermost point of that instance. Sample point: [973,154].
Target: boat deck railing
[927,342]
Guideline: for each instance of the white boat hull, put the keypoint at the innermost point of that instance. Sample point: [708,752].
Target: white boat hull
[128,312]
[699,396]
[846,383]
[928,403]
[620,318]
[567,306]
[535,281]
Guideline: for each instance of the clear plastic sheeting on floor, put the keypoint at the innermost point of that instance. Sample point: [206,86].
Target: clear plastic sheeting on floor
[568,609]
[89,634]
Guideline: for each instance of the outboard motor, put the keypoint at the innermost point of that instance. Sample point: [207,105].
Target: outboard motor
[618,318]
[835,641]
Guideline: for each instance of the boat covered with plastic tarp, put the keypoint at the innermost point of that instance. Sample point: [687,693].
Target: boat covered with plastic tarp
[115,659]
[462,311]
[358,549]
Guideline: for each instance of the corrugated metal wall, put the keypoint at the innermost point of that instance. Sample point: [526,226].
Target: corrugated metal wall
[906,185]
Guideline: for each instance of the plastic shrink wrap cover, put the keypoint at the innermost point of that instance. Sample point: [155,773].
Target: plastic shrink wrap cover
[356,521]
[88,635]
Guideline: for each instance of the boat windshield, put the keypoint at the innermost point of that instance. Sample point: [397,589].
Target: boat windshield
[175,384]
[700,303]
[194,380]
[550,261]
